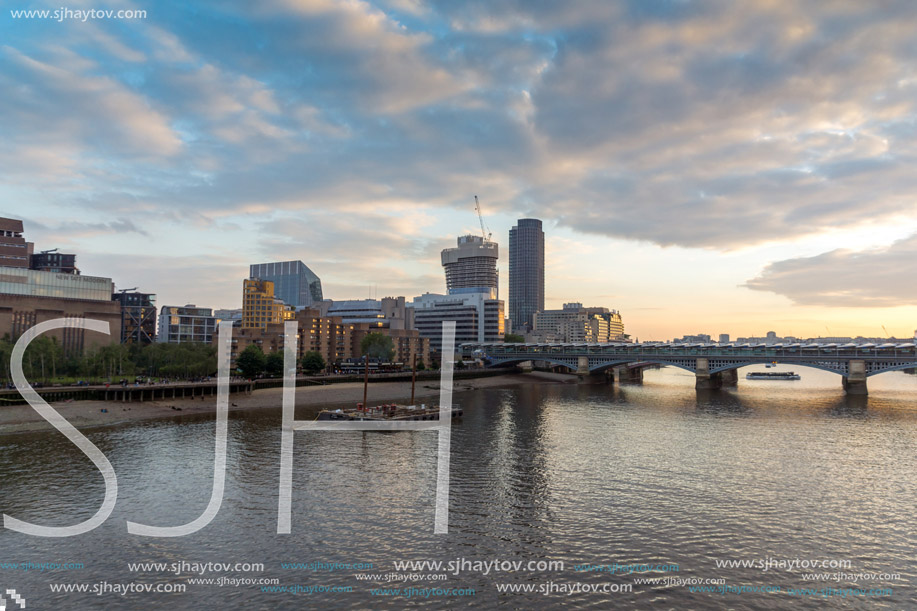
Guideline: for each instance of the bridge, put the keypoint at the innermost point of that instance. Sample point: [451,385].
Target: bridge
[714,365]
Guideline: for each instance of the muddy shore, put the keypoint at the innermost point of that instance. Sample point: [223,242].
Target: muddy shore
[82,414]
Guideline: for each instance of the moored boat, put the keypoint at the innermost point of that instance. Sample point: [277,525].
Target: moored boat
[772,375]
[387,412]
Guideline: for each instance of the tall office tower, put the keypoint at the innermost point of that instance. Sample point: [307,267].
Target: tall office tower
[14,250]
[471,267]
[526,272]
[294,283]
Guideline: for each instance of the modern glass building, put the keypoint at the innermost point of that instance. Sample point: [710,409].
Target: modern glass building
[294,283]
[526,272]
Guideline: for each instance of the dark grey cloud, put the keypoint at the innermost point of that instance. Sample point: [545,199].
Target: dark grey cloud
[844,278]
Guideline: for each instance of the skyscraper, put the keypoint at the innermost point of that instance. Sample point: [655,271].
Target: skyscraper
[294,283]
[471,267]
[526,272]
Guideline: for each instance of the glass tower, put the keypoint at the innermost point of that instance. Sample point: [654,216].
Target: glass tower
[294,283]
[526,272]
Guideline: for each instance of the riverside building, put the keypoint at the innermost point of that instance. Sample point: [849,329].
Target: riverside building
[186,324]
[28,297]
[14,250]
[574,323]
[259,305]
[138,317]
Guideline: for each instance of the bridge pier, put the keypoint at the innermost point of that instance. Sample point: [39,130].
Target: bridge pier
[855,380]
[526,367]
[623,373]
[582,366]
[730,377]
[704,380]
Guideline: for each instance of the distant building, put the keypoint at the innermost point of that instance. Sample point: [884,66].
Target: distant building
[574,323]
[477,317]
[471,267]
[407,343]
[232,314]
[328,336]
[54,262]
[138,317]
[186,324]
[14,250]
[259,305]
[700,338]
[28,297]
[388,312]
[724,338]
[294,283]
[526,273]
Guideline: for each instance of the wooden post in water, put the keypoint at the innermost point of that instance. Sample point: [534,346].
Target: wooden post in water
[365,380]
[413,376]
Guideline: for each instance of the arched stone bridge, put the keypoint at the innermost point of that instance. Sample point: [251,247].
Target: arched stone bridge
[712,364]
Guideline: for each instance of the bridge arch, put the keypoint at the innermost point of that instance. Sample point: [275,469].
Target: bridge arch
[515,361]
[649,361]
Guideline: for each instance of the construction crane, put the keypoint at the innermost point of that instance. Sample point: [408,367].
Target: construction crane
[886,332]
[477,207]
[128,290]
[48,252]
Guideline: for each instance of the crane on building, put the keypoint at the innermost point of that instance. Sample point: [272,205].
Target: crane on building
[48,252]
[477,207]
[128,290]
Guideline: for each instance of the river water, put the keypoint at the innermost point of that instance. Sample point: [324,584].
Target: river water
[653,477]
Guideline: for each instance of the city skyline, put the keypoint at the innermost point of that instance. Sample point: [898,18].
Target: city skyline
[747,177]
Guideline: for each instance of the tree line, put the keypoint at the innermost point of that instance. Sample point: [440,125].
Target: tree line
[44,360]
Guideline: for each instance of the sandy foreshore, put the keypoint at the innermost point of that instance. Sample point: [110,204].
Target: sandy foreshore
[22,418]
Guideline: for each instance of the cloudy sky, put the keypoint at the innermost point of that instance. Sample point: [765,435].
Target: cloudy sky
[719,167]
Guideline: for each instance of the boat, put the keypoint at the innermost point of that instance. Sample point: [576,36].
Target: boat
[387,413]
[772,375]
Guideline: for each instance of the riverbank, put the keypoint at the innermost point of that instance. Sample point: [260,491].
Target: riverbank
[22,418]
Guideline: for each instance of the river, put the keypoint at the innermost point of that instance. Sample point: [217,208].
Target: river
[618,483]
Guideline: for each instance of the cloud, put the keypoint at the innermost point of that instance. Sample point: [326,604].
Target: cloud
[700,124]
[51,104]
[844,278]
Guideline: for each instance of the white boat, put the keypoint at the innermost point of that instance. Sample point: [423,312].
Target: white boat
[772,375]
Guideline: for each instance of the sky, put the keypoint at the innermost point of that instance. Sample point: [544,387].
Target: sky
[703,167]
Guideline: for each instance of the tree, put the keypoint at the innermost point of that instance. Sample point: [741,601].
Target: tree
[420,365]
[273,364]
[312,362]
[513,338]
[251,362]
[378,346]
